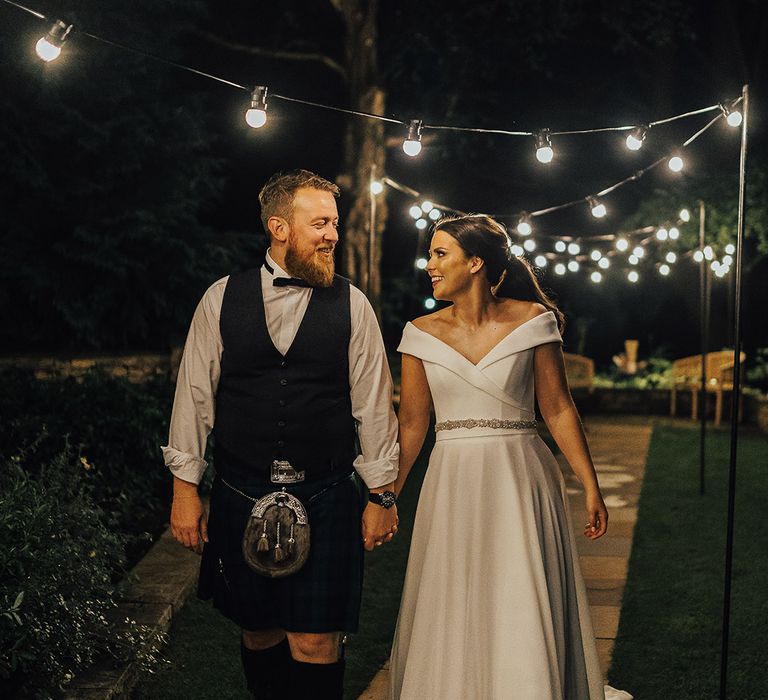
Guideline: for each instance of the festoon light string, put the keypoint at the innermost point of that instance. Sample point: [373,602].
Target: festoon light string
[49,48]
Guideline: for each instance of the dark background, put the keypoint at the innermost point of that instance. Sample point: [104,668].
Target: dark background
[129,186]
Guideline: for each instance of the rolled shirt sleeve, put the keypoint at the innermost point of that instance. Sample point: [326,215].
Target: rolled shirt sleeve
[371,394]
[194,404]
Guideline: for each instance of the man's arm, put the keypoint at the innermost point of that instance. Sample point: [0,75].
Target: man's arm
[371,393]
[192,418]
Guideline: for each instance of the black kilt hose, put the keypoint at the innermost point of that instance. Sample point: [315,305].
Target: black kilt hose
[324,595]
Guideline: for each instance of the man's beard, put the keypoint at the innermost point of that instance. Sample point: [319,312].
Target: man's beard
[315,270]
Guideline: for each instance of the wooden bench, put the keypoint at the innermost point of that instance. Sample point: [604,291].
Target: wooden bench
[580,371]
[686,376]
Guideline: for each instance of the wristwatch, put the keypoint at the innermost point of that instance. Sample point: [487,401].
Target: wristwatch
[385,499]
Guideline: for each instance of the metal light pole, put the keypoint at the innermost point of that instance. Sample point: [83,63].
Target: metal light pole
[704,280]
[735,395]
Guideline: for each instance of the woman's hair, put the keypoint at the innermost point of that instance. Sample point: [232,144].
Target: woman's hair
[508,275]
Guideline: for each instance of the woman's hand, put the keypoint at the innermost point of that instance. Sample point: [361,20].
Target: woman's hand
[597,515]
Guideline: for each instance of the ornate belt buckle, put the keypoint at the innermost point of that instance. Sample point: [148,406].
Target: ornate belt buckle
[284,473]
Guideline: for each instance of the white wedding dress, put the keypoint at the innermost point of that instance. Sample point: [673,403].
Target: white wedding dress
[494,606]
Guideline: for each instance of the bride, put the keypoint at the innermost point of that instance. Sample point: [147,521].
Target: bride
[494,606]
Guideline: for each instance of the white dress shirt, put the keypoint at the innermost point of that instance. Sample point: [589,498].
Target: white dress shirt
[194,405]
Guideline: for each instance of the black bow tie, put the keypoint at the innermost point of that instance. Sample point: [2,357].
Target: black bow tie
[289,282]
[285,281]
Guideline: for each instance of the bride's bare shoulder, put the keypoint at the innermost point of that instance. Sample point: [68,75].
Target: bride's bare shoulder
[520,310]
[431,322]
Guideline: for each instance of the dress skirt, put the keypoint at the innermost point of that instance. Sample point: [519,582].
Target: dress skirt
[494,606]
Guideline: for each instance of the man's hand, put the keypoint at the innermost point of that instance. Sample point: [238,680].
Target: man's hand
[189,522]
[379,525]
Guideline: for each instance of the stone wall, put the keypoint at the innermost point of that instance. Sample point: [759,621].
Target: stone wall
[136,368]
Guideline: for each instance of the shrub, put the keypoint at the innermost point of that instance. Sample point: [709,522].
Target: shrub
[116,427]
[57,558]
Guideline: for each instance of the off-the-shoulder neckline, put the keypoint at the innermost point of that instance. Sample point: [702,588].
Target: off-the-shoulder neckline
[503,340]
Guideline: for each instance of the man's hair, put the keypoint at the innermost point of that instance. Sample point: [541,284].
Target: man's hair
[276,197]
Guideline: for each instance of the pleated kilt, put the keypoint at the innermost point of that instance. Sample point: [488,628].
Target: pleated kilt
[324,595]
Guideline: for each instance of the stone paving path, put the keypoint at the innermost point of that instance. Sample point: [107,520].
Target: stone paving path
[619,447]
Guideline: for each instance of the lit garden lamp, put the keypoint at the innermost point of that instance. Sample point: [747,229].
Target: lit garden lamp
[256,115]
[49,46]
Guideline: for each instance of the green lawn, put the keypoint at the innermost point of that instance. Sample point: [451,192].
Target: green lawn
[203,656]
[668,643]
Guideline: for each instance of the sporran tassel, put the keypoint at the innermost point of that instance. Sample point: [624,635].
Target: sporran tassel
[291,542]
[278,554]
[263,544]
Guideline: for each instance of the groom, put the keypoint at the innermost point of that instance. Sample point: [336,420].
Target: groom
[286,363]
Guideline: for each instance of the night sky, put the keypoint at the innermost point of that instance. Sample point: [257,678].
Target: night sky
[606,64]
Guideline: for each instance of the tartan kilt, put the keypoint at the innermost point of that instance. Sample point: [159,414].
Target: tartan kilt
[324,595]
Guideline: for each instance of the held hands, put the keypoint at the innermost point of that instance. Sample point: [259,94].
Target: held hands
[379,525]
[597,515]
[189,523]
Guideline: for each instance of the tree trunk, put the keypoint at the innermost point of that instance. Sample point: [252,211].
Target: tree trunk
[363,147]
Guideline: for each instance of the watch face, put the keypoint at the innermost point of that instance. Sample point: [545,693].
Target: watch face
[385,499]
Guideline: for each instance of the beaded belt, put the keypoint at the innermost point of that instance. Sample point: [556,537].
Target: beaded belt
[485,423]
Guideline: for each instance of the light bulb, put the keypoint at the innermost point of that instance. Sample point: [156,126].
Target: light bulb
[622,244]
[421,263]
[730,249]
[541,261]
[604,263]
[421,224]
[256,118]
[434,214]
[633,259]
[412,143]
[671,257]
[544,152]
[636,138]
[708,252]
[376,187]
[715,265]
[430,303]
[674,233]
[596,207]
[559,269]
[662,234]
[596,277]
[560,246]
[427,206]
[256,115]
[574,248]
[664,269]
[685,215]
[732,116]
[632,276]
[49,47]
[675,164]
[524,227]
[517,250]
[698,256]
[529,245]
[595,255]
[638,252]
[415,211]
[573,266]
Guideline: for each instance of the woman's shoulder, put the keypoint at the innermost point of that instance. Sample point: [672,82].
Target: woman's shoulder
[522,310]
[430,322]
